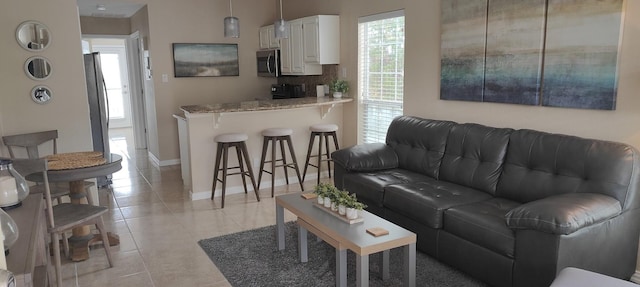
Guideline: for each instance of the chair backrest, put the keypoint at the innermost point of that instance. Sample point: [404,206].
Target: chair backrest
[27,167]
[30,142]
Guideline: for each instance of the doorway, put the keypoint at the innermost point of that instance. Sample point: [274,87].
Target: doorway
[113,58]
[120,59]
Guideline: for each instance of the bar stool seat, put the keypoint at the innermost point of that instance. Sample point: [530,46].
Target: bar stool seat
[273,136]
[233,137]
[277,132]
[323,128]
[322,131]
[224,142]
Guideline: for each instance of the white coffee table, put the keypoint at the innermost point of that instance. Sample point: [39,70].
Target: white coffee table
[344,236]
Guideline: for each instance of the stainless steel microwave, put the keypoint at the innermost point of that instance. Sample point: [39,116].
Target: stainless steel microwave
[268,63]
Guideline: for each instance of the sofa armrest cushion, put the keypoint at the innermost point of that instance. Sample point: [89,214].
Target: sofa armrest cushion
[563,214]
[366,157]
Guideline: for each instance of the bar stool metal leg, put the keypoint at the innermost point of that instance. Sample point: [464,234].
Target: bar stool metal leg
[248,162]
[284,157]
[265,144]
[319,155]
[242,171]
[225,161]
[295,162]
[216,168]
[306,164]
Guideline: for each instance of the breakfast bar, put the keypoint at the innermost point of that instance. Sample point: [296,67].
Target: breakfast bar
[201,123]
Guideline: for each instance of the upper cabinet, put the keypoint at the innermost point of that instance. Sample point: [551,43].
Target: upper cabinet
[321,39]
[313,41]
[268,39]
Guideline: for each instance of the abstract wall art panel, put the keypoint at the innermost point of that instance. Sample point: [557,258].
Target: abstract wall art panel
[581,54]
[560,53]
[463,49]
[515,43]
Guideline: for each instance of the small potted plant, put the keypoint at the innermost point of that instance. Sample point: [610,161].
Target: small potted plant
[343,199]
[330,195]
[353,206]
[321,190]
[339,87]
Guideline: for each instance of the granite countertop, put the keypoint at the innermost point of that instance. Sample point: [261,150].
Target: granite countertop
[264,105]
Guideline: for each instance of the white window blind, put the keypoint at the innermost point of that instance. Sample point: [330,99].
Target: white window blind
[381,73]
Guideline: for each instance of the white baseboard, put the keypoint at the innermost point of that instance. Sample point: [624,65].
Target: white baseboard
[206,194]
[155,161]
[635,278]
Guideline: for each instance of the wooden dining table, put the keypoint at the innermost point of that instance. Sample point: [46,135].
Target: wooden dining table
[76,172]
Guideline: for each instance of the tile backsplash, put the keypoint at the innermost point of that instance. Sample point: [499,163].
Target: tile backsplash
[329,73]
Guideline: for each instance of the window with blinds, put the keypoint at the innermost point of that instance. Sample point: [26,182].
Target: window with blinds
[381,73]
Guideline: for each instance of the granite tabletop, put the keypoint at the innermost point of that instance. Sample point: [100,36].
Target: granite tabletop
[264,105]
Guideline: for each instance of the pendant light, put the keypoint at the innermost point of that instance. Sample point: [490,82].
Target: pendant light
[231,25]
[280,26]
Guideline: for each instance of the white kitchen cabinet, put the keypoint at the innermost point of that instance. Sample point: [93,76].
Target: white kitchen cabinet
[285,54]
[313,41]
[268,39]
[322,39]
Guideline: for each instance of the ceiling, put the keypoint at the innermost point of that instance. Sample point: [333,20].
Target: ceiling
[113,9]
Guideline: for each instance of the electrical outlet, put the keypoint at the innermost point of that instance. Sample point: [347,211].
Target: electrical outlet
[165,78]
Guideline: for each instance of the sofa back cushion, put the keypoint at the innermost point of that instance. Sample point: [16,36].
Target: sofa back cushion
[540,164]
[474,156]
[419,143]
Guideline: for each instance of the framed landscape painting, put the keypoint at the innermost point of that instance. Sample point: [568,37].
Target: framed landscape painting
[205,60]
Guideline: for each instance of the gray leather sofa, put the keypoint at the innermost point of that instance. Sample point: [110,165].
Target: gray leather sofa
[509,207]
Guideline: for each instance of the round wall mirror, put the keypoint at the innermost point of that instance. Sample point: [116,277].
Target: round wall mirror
[37,68]
[33,35]
[41,94]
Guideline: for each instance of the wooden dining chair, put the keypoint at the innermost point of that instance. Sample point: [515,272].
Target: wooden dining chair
[64,216]
[31,143]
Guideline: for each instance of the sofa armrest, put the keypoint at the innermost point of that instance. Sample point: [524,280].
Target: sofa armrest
[563,214]
[366,157]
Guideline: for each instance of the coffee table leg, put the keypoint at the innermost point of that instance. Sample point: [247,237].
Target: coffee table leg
[410,265]
[362,270]
[341,267]
[302,244]
[280,226]
[384,262]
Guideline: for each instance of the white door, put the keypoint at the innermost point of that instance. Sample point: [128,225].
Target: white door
[114,69]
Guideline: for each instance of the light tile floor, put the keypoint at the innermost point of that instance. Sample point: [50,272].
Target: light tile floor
[159,226]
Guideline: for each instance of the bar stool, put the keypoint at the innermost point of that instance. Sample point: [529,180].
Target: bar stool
[225,141]
[321,131]
[274,136]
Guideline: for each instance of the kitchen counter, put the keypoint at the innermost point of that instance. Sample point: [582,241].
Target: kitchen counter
[264,105]
[200,124]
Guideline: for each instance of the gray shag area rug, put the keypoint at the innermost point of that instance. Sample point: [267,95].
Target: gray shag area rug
[251,258]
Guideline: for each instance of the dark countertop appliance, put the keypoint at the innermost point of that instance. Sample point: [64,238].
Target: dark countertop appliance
[286,91]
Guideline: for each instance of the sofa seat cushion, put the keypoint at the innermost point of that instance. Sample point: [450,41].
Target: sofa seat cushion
[369,186]
[483,223]
[425,201]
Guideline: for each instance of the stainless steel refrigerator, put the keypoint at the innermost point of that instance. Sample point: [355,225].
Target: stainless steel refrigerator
[98,109]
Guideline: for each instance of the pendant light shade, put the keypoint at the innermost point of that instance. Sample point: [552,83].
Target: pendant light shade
[280,26]
[231,25]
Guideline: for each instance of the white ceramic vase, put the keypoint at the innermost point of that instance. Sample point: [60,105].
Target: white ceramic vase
[342,210]
[337,94]
[320,200]
[334,206]
[327,202]
[352,213]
